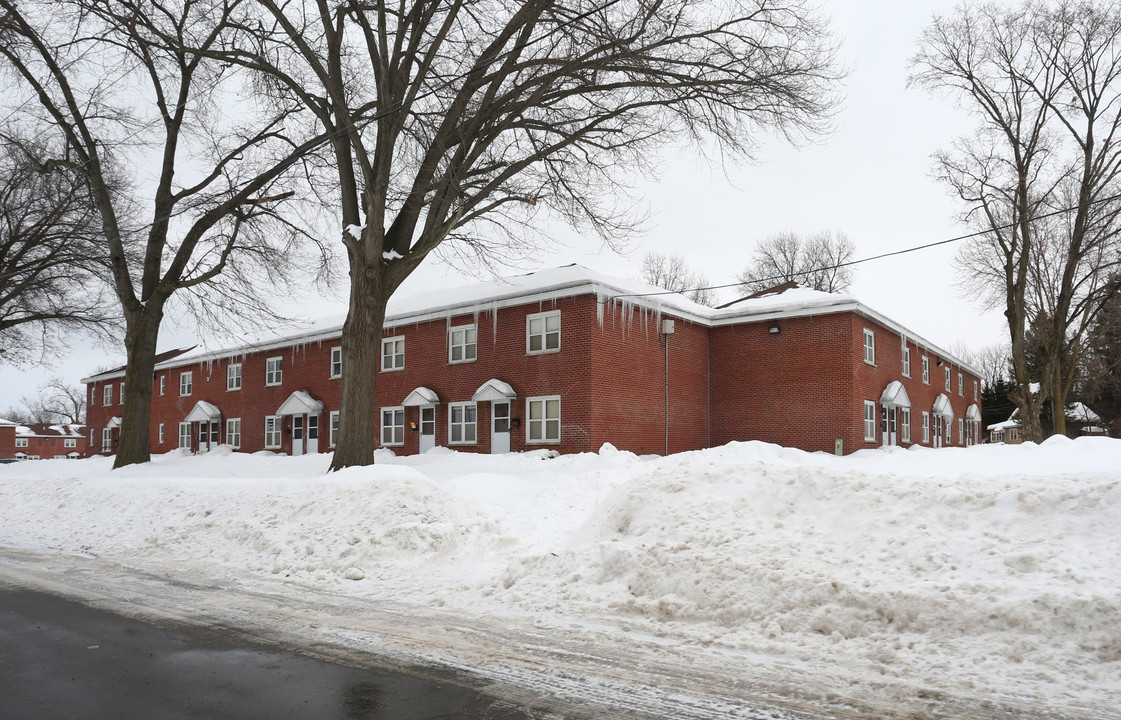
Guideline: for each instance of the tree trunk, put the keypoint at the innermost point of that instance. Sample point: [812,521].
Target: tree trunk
[1059,405]
[361,348]
[143,333]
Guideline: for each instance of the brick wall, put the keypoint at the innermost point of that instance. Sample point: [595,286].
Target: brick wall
[8,441]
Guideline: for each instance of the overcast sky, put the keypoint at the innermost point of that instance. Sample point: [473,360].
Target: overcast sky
[870,179]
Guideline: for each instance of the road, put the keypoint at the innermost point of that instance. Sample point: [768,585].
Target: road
[60,659]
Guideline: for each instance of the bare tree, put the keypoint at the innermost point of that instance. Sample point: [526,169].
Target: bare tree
[1045,83]
[672,273]
[455,122]
[816,261]
[128,89]
[51,269]
[55,404]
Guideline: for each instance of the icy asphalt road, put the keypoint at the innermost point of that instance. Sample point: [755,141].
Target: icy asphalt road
[547,669]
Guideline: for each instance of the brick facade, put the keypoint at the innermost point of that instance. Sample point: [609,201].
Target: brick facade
[41,441]
[794,378]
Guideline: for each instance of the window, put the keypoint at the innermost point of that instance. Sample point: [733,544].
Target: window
[233,433]
[107,440]
[926,428]
[949,432]
[185,435]
[107,398]
[869,421]
[926,370]
[542,332]
[961,385]
[233,376]
[93,394]
[91,437]
[905,425]
[869,347]
[185,384]
[393,426]
[313,428]
[461,425]
[544,419]
[947,379]
[160,434]
[274,371]
[1013,433]
[334,432]
[975,391]
[393,353]
[162,378]
[272,432]
[961,431]
[70,443]
[336,363]
[21,442]
[121,400]
[906,362]
[461,344]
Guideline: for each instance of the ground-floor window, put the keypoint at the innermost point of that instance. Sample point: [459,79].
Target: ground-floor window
[1013,434]
[233,433]
[21,442]
[272,432]
[905,425]
[926,428]
[961,431]
[393,426]
[161,434]
[107,440]
[462,421]
[869,421]
[544,419]
[334,432]
[185,435]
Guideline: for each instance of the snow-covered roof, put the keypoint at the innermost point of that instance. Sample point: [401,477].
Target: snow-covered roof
[494,389]
[421,396]
[203,412]
[48,430]
[300,403]
[1080,412]
[4,422]
[943,407]
[613,294]
[895,395]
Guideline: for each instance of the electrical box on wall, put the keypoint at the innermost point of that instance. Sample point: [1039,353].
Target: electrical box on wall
[667,327]
[839,446]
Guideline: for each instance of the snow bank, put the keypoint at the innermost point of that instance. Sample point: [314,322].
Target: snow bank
[991,569]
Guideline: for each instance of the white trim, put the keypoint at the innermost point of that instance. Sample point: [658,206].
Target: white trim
[869,346]
[233,377]
[544,333]
[926,370]
[905,424]
[233,437]
[203,412]
[396,429]
[395,354]
[469,350]
[300,403]
[332,427]
[277,374]
[925,427]
[421,396]
[545,422]
[162,379]
[494,389]
[184,434]
[277,432]
[906,361]
[869,421]
[161,434]
[961,384]
[21,442]
[331,374]
[107,395]
[186,383]
[464,425]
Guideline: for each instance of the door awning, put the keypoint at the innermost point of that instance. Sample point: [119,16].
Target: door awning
[300,403]
[114,423]
[942,407]
[895,395]
[494,389]
[421,396]
[203,412]
[973,413]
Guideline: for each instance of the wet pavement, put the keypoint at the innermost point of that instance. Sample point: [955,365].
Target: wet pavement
[62,660]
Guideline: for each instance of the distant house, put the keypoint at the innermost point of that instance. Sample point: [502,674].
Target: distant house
[40,440]
[1081,420]
[1007,431]
[568,359]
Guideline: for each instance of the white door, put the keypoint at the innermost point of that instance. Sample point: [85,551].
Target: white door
[427,427]
[889,426]
[312,434]
[297,435]
[214,427]
[500,426]
[937,431]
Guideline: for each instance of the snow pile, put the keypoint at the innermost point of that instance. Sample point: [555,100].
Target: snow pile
[986,570]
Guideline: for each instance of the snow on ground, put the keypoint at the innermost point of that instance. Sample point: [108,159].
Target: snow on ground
[984,572]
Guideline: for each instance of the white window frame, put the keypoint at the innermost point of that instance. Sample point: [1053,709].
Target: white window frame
[274,371]
[906,362]
[905,425]
[869,347]
[233,377]
[333,427]
[233,433]
[539,431]
[335,369]
[468,349]
[976,390]
[69,443]
[396,354]
[961,385]
[464,424]
[161,434]
[186,383]
[162,379]
[1013,433]
[21,442]
[947,369]
[544,333]
[926,428]
[107,395]
[926,369]
[121,399]
[395,426]
[870,417]
[184,434]
[961,431]
[274,432]
[107,440]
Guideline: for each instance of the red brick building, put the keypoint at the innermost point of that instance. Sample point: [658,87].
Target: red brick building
[568,359]
[41,441]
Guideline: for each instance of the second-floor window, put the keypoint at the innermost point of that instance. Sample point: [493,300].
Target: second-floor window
[461,344]
[926,370]
[961,385]
[233,376]
[906,362]
[186,384]
[121,400]
[107,398]
[869,347]
[336,370]
[947,379]
[543,332]
[274,370]
[393,353]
